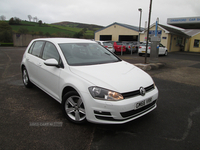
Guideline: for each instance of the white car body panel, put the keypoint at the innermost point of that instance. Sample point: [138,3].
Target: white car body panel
[106,76]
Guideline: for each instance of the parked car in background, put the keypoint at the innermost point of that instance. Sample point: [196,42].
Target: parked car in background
[107,45]
[91,83]
[142,49]
[131,46]
[118,47]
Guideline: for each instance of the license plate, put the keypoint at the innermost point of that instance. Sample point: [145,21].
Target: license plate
[143,103]
[143,51]
[149,100]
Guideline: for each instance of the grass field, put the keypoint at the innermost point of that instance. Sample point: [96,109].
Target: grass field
[34,27]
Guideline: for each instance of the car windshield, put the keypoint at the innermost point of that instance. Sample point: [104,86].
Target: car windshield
[107,44]
[144,44]
[78,54]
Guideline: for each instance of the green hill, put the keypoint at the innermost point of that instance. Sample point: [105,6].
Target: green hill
[62,29]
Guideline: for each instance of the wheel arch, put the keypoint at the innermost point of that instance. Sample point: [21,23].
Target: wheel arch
[66,90]
[22,67]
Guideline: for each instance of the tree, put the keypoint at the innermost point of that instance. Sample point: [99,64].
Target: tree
[80,34]
[3,18]
[4,26]
[29,17]
[5,32]
[41,33]
[35,19]
[14,21]
[40,22]
[23,30]
[17,20]
[47,34]
[11,21]
[84,30]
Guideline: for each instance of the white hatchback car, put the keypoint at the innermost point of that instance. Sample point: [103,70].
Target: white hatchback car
[107,45]
[142,49]
[89,81]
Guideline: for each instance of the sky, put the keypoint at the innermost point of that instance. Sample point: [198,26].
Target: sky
[99,12]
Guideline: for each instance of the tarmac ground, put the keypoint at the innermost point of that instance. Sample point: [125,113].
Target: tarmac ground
[30,119]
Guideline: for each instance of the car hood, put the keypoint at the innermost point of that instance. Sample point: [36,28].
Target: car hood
[120,76]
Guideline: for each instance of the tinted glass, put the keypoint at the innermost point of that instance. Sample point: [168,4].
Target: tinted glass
[37,48]
[87,54]
[50,51]
[144,44]
[107,44]
[31,48]
[119,43]
[160,45]
[196,43]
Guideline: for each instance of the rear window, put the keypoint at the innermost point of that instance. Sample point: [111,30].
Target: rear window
[144,44]
[107,44]
[119,43]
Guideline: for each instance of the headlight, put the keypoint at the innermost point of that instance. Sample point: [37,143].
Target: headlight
[104,94]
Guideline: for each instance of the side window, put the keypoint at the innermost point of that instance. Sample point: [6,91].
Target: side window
[37,48]
[31,48]
[50,51]
[161,45]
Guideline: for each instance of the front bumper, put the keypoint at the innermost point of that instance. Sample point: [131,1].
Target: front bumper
[118,112]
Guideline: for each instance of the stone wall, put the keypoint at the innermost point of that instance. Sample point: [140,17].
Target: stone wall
[24,39]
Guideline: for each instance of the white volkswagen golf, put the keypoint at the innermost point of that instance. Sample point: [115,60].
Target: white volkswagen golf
[88,80]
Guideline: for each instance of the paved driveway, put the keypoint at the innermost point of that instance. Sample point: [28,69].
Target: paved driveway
[30,119]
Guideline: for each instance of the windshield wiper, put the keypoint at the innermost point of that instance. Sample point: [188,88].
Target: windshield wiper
[107,54]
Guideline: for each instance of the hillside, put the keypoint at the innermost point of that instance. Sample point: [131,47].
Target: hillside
[35,28]
[60,29]
[78,25]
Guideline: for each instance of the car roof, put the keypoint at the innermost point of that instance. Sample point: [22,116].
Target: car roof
[65,40]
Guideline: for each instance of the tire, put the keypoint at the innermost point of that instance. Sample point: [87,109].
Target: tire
[165,53]
[25,78]
[73,108]
[140,54]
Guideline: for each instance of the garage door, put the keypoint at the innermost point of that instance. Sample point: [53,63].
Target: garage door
[105,37]
[128,37]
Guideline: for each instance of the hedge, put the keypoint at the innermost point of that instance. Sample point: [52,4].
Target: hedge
[6,44]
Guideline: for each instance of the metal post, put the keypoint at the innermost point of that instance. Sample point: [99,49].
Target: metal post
[131,48]
[148,32]
[156,28]
[140,10]
[122,49]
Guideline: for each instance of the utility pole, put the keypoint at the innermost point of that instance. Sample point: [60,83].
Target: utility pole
[148,32]
[140,10]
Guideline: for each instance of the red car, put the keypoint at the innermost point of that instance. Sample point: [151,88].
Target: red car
[118,47]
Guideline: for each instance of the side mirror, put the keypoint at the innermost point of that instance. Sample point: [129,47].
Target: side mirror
[51,62]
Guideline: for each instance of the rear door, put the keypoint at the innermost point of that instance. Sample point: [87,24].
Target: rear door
[34,61]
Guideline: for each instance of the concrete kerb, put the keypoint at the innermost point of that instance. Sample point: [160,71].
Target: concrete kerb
[150,66]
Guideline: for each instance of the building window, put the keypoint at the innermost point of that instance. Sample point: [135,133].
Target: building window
[179,41]
[196,43]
